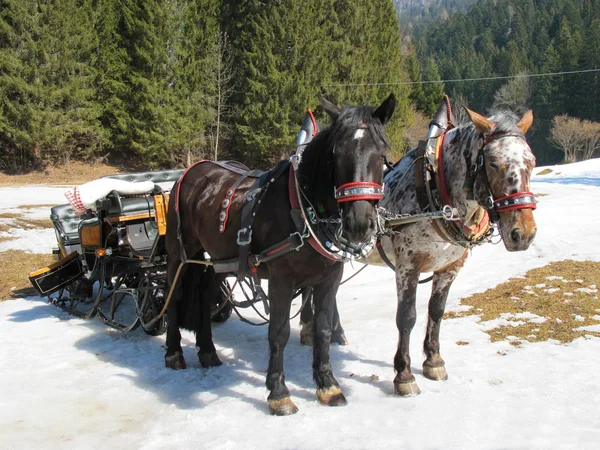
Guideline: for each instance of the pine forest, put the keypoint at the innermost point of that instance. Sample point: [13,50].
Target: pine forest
[163,83]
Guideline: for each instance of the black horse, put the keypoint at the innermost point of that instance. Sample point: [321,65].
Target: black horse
[337,182]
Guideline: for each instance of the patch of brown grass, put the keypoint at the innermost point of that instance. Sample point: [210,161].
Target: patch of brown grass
[76,172]
[9,215]
[17,220]
[34,223]
[36,206]
[6,238]
[16,266]
[563,294]
[544,172]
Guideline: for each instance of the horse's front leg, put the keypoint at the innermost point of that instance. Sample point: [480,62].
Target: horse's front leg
[280,299]
[434,366]
[406,316]
[328,389]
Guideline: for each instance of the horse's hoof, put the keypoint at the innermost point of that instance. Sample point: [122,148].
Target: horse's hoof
[209,359]
[409,389]
[306,339]
[282,407]
[339,339]
[175,361]
[435,373]
[332,396]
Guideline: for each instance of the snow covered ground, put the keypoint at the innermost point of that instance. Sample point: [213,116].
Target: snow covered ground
[69,383]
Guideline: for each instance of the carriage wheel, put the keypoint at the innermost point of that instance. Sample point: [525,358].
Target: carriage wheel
[222,309]
[151,299]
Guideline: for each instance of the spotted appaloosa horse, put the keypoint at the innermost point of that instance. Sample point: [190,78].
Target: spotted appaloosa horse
[504,174]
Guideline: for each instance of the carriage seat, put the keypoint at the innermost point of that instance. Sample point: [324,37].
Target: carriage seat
[164,178]
[120,205]
[66,223]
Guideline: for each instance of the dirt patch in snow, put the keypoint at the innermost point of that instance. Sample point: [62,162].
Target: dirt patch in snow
[16,266]
[557,301]
[75,173]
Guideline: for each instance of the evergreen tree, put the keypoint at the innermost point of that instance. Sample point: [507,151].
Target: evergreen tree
[48,105]
[288,51]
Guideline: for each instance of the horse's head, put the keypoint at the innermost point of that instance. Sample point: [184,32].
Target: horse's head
[505,175]
[359,144]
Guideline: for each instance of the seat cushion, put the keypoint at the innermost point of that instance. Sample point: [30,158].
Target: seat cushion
[66,222]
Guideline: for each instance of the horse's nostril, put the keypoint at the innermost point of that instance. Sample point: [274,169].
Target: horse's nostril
[516,235]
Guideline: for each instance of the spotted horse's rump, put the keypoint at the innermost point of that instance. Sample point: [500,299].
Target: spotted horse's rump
[486,167]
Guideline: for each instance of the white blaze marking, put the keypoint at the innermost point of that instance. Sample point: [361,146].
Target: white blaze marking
[359,134]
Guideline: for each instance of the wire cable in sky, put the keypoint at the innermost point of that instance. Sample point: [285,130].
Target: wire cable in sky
[458,80]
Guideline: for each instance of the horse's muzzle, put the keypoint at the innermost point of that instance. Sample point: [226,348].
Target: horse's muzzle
[359,221]
[518,230]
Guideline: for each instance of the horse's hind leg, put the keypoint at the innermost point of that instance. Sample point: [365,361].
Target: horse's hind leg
[434,366]
[337,335]
[328,389]
[174,357]
[306,317]
[207,354]
[306,323]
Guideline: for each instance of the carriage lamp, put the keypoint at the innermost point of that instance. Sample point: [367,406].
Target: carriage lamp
[101,252]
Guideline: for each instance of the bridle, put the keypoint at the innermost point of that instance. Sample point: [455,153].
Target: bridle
[335,246]
[359,190]
[495,206]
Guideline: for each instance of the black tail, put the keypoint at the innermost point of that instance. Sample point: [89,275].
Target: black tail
[199,284]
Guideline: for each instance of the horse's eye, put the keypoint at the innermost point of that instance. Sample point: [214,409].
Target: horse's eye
[494,165]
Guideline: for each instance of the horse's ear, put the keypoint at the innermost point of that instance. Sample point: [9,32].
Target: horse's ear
[329,107]
[482,124]
[385,111]
[525,121]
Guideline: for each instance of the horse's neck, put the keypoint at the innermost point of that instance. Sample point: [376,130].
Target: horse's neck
[460,146]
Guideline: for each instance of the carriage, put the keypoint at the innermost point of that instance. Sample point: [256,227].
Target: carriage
[111,256]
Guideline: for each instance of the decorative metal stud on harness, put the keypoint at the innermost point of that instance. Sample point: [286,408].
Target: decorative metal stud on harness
[359,190]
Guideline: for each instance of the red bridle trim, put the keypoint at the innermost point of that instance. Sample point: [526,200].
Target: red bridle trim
[520,200]
[314,122]
[359,190]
